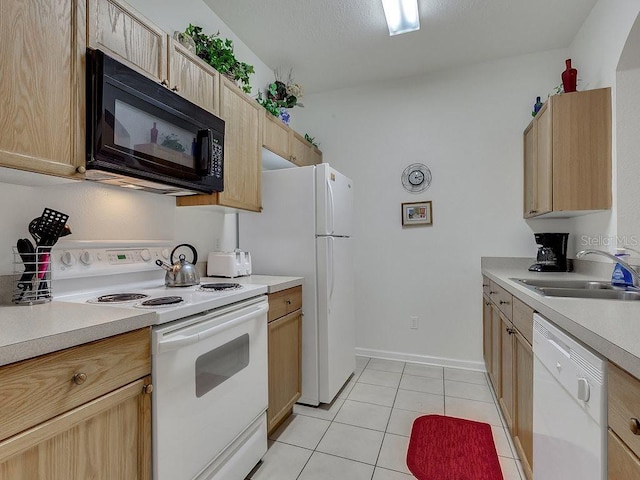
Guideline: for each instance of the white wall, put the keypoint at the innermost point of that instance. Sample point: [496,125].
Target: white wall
[595,52]
[466,125]
[628,142]
[98,212]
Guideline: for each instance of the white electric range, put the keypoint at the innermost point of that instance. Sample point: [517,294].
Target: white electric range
[209,354]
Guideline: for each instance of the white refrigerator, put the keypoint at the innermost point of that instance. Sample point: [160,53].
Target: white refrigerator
[305,230]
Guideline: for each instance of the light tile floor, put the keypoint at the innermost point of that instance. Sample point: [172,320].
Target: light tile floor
[364,433]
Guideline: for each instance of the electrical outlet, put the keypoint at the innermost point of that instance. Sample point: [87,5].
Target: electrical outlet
[414,322]
[217,245]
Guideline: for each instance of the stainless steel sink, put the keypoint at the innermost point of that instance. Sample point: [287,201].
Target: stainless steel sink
[573,284]
[613,294]
[580,289]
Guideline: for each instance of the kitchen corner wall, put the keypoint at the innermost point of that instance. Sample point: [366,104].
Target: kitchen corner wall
[466,125]
[595,52]
[99,212]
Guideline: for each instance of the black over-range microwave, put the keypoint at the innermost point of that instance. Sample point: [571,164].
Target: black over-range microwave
[141,135]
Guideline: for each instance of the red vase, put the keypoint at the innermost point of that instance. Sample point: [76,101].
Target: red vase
[569,78]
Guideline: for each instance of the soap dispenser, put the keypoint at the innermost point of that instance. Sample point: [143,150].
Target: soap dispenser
[621,277]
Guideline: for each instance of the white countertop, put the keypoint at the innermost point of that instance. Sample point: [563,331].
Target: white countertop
[610,327]
[29,331]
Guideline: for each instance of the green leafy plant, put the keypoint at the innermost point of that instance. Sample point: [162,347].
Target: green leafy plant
[219,54]
[310,139]
[268,103]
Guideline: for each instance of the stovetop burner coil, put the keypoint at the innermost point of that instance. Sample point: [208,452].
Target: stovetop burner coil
[220,287]
[160,301]
[121,297]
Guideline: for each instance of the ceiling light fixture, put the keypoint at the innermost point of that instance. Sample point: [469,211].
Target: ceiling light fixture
[402,16]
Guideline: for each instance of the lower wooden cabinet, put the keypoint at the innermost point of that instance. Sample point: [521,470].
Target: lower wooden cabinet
[98,413]
[508,358]
[486,331]
[523,392]
[106,439]
[622,464]
[623,405]
[506,397]
[285,355]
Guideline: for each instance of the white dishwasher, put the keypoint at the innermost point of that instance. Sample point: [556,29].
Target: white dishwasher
[569,407]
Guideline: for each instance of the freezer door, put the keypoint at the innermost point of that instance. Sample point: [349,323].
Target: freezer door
[334,203]
[336,316]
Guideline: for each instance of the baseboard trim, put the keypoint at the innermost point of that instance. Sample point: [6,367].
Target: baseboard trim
[426,359]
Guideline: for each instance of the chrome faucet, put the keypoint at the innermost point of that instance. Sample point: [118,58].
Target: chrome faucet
[634,273]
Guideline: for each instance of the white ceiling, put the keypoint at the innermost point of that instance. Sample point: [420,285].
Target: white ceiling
[333,44]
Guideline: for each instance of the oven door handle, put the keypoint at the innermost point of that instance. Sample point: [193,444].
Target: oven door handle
[179,341]
[262,310]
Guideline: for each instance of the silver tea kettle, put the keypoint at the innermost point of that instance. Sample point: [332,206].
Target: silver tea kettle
[181,273]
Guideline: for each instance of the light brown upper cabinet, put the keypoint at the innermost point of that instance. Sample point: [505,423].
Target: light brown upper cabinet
[42,92]
[123,33]
[288,144]
[242,145]
[303,153]
[193,79]
[567,155]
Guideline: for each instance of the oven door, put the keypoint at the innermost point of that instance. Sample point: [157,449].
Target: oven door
[210,379]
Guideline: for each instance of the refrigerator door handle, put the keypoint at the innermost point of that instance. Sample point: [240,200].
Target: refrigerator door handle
[332,267]
[330,213]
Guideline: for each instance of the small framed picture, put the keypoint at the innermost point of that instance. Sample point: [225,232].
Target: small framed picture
[417,213]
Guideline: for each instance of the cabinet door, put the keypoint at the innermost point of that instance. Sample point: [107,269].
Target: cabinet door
[242,142]
[243,118]
[523,368]
[543,173]
[106,439]
[42,87]
[486,332]
[123,33]
[496,359]
[285,357]
[622,464]
[529,170]
[300,150]
[506,370]
[192,78]
[276,136]
[582,150]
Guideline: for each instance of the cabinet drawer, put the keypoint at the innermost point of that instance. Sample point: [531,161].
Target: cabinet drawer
[502,299]
[523,319]
[284,302]
[624,405]
[622,463]
[40,388]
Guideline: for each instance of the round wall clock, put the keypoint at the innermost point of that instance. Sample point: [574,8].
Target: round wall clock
[416,178]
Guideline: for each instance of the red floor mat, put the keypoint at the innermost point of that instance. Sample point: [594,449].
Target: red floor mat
[449,448]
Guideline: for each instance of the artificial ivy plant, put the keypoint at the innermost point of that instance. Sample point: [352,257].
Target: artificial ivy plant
[219,54]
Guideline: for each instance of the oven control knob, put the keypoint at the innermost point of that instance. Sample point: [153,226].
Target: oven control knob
[86,257]
[145,254]
[68,259]
[165,253]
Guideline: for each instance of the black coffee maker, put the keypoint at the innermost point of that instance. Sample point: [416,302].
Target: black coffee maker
[552,252]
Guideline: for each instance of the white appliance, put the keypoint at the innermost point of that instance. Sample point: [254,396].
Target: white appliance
[569,407]
[209,355]
[229,264]
[305,230]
